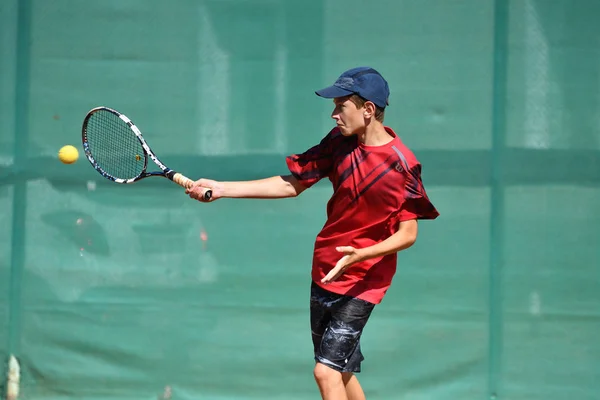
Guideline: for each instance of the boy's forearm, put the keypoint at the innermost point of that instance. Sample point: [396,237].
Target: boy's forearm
[269,188]
[401,240]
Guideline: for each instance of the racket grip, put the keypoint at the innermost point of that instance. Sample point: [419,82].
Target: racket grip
[182,181]
[187,183]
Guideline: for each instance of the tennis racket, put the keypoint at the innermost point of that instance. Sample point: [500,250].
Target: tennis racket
[117,150]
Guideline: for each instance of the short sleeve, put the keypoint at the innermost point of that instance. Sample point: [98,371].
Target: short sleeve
[416,204]
[314,164]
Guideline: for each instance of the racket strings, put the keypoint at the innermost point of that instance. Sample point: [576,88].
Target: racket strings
[114,146]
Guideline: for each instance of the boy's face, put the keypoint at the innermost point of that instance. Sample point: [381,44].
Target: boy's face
[347,116]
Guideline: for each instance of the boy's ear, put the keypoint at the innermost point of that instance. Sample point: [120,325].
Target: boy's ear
[369,109]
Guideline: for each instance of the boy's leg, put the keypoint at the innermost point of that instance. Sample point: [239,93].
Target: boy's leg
[337,323]
[330,383]
[332,387]
[353,389]
[321,302]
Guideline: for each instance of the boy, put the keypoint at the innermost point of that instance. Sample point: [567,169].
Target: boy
[378,196]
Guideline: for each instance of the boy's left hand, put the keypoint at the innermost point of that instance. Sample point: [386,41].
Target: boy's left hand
[351,256]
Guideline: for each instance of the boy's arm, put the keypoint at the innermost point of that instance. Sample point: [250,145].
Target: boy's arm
[275,187]
[401,240]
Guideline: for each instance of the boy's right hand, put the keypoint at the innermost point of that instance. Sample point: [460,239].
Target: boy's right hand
[197,190]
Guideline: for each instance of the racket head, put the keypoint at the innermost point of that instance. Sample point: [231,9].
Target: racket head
[113,145]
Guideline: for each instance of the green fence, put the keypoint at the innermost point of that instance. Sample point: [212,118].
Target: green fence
[500,297]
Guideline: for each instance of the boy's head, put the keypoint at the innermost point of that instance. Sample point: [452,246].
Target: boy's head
[359,94]
[365,82]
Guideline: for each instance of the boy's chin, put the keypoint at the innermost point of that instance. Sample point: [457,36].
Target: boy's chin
[345,131]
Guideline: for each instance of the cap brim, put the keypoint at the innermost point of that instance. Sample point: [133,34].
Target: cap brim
[332,92]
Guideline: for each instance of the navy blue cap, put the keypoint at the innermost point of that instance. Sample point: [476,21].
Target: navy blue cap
[363,81]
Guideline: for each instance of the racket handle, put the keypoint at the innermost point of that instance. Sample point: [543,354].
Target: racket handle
[187,183]
[181,180]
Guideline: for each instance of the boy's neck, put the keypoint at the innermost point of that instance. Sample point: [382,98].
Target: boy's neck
[375,135]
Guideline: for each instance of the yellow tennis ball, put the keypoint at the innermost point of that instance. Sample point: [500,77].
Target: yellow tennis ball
[68,154]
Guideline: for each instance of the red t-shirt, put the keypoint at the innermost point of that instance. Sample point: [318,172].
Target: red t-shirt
[374,189]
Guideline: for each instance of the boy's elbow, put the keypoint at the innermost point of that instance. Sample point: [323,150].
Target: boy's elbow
[294,187]
[298,190]
[411,239]
[410,231]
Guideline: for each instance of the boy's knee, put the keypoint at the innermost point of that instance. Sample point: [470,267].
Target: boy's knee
[324,374]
